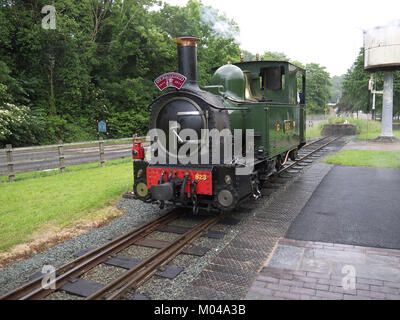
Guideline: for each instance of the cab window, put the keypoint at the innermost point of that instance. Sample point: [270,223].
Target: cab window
[272,78]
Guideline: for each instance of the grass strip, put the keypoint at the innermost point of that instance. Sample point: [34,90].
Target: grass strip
[366,158]
[58,200]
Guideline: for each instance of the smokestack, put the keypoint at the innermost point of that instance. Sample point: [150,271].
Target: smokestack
[187,60]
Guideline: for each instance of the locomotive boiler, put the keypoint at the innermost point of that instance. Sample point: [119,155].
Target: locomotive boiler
[214,146]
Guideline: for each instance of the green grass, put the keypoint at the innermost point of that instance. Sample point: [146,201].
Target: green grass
[366,130]
[39,174]
[366,158]
[58,200]
[373,133]
[315,131]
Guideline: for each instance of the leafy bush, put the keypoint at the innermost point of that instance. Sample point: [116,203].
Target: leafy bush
[18,126]
[125,124]
[61,128]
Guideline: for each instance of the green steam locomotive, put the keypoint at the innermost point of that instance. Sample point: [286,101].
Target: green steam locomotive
[259,106]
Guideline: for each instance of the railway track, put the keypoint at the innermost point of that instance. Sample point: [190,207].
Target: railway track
[134,277]
[305,154]
[139,274]
[34,290]
[129,280]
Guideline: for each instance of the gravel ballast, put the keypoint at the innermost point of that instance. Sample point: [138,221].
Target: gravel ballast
[137,213]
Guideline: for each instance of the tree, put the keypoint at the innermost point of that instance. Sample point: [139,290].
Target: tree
[317,88]
[248,56]
[217,34]
[355,88]
[274,56]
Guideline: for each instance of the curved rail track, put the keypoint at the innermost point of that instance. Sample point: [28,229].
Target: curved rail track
[310,153]
[34,289]
[134,277]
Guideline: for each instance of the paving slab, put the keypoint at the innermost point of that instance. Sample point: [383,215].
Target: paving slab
[286,257]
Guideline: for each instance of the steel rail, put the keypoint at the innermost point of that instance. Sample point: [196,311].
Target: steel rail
[142,272]
[307,155]
[311,143]
[35,290]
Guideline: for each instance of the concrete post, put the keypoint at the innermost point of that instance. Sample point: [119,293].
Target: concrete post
[387,107]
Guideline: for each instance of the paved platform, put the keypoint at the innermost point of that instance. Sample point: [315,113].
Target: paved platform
[347,233]
[306,270]
[353,205]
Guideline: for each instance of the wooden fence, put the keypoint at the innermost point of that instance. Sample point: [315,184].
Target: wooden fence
[60,156]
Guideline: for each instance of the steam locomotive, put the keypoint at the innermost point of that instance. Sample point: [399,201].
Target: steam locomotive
[262,101]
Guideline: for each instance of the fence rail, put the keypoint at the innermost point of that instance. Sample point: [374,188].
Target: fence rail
[59,157]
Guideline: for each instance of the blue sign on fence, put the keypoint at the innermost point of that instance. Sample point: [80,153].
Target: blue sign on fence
[102,126]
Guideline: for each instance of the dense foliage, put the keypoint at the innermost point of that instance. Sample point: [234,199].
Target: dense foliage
[355,89]
[317,88]
[100,61]
[98,64]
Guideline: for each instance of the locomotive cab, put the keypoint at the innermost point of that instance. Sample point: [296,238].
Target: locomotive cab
[274,102]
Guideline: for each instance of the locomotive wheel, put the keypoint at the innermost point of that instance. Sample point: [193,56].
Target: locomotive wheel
[226,198]
[278,165]
[293,155]
[141,190]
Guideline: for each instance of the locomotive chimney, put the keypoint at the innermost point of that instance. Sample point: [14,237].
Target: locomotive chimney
[187,60]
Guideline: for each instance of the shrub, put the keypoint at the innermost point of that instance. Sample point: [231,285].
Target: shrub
[18,126]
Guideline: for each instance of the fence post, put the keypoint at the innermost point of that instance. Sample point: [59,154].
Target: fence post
[101,150]
[10,163]
[61,156]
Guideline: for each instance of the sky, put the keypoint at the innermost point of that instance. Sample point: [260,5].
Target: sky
[329,33]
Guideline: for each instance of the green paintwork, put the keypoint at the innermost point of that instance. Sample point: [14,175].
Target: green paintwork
[279,105]
[232,79]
